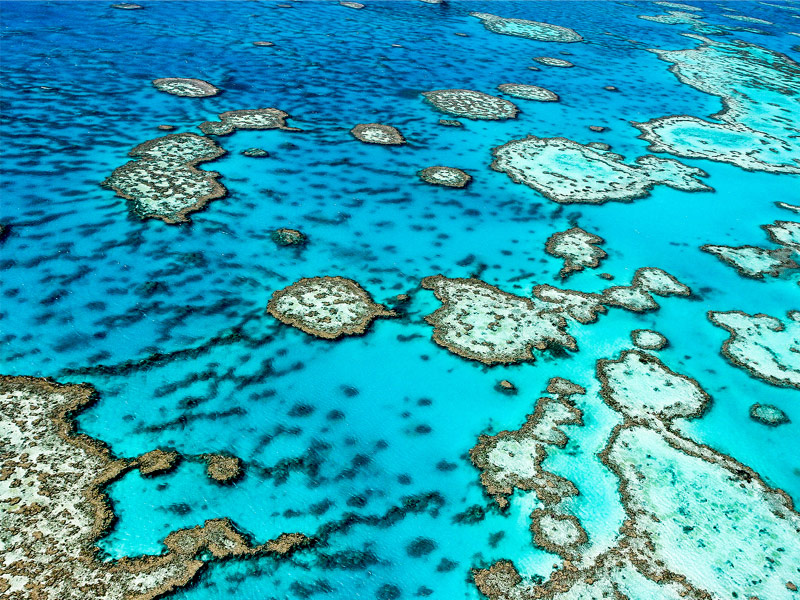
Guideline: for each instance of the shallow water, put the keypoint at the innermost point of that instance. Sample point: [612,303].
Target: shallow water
[77,96]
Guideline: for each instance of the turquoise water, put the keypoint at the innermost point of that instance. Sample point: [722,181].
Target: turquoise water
[385,420]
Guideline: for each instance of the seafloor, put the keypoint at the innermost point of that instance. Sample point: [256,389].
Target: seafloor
[369,422]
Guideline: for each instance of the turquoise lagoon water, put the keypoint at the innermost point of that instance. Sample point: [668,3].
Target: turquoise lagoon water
[335,436]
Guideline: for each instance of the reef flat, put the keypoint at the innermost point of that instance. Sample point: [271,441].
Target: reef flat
[579,249]
[568,172]
[189,88]
[471,104]
[481,322]
[377,133]
[678,496]
[765,346]
[327,307]
[55,508]
[755,129]
[528,92]
[163,183]
[446,176]
[533,30]
[249,118]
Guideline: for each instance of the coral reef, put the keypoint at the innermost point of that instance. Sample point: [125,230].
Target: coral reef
[481,322]
[250,118]
[757,127]
[222,468]
[55,509]
[377,133]
[553,62]
[678,496]
[447,176]
[189,88]
[289,237]
[163,182]
[768,414]
[766,347]
[753,261]
[578,248]
[528,92]
[327,307]
[471,104]
[533,30]
[568,172]
[513,460]
[556,532]
[647,339]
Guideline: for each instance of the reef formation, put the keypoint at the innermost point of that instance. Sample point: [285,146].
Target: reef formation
[647,339]
[569,172]
[768,414]
[377,133]
[249,118]
[446,176]
[189,88]
[578,248]
[551,61]
[755,261]
[765,346]
[528,92]
[55,508]
[326,307]
[163,183]
[698,525]
[757,127]
[481,322]
[471,104]
[533,30]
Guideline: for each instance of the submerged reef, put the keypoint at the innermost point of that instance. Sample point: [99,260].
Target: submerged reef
[289,237]
[481,322]
[512,460]
[471,104]
[578,248]
[647,339]
[569,172]
[699,525]
[377,133]
[764,346]
[189,88]
[447,176]
[768,414]
[250,118]
[163,182]
[327,307]
[757,127]
[528,92]
[533,30]
[55,508]
[551,61]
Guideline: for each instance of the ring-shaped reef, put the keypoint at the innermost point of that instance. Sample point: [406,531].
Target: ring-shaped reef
[757,128]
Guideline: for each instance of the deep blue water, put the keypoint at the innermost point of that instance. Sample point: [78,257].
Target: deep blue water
[76,97]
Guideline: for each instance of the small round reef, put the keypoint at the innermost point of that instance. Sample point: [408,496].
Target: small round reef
[447,176]
[553,62]
[377,133]
[188,88]
[289,237]
[768,414]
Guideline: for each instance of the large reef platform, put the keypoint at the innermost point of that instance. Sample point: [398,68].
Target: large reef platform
[53,508]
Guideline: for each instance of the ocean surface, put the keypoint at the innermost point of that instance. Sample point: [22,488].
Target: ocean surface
[168,322]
